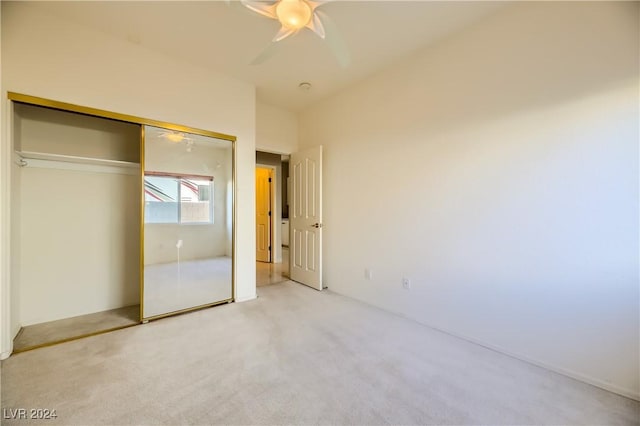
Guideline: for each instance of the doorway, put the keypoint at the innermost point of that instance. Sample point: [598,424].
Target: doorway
[264,179]
[272,252]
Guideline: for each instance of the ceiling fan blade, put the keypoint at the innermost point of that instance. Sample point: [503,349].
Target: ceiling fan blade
[283,33]
[334,40]
[264,8]
[233,3]
[318,3]
[267,53]
[316,26]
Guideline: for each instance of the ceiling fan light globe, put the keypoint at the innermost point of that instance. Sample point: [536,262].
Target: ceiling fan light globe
[294,14]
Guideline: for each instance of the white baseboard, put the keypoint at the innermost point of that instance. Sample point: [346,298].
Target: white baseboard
[246,298]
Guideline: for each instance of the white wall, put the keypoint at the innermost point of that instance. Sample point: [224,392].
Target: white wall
[6,317]
[276,129]
[498,170]
[50,58]
[79,254]
[14,241]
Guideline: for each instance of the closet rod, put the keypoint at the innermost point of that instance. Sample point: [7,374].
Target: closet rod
[72,162]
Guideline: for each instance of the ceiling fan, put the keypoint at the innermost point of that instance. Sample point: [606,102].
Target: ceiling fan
[294,16]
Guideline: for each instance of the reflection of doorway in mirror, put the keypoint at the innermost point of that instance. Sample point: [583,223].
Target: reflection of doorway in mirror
[264,177]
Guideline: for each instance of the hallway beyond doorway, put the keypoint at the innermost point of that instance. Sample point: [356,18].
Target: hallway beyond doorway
[271,273]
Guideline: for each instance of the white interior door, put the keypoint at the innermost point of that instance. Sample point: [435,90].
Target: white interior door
[305,170]
[263,215]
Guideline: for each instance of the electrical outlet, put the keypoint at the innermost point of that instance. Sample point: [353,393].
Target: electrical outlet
[406,283]
[368,274]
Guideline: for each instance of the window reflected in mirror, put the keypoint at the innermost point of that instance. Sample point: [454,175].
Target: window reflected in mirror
[178,199]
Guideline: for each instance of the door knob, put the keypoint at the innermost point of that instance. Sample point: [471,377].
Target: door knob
[316,225]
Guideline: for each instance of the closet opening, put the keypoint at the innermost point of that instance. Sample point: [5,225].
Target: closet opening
[75,225]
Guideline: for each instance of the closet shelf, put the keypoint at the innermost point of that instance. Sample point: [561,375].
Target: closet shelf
[29,155]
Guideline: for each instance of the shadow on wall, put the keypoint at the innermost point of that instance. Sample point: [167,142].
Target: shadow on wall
[498,67]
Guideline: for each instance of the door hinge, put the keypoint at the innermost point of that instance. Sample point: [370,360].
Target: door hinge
[269,248]
[269,179]
[269,212]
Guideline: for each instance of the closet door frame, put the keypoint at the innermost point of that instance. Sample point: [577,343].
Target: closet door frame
[63,106]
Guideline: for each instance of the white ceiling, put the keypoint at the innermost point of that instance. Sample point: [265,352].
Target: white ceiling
[226,38]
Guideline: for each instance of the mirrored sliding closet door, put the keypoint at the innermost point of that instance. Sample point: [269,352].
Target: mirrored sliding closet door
[188,221]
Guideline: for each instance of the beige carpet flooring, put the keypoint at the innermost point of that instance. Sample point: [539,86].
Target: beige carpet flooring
[295,356]
[69,328]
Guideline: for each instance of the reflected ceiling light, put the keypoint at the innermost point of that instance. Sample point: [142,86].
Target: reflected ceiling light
[174,136]
[177,137]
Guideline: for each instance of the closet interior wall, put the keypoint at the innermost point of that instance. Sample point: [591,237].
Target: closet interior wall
[76,215]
